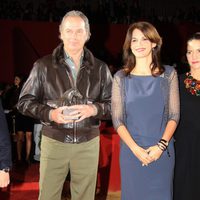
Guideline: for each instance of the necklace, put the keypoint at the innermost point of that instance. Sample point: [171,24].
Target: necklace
[192,85]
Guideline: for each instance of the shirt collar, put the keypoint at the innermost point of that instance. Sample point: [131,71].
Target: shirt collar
[67,56]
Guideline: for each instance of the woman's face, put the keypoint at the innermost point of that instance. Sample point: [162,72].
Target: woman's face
[17,81]
[193,54]
[141,46]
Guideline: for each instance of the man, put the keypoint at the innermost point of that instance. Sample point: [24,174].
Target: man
[5,150]
[69,91]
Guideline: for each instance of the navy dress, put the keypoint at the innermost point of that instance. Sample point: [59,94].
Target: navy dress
[144,110]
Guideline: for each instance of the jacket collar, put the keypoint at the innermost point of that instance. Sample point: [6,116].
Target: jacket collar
[59,60]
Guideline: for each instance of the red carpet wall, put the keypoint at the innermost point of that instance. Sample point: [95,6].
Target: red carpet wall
[21,43]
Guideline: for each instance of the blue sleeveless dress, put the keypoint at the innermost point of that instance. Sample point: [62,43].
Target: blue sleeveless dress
[144,110]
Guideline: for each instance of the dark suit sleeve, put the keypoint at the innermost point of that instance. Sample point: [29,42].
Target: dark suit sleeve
[5,145]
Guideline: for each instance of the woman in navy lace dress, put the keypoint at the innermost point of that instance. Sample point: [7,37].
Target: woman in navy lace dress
[145,111]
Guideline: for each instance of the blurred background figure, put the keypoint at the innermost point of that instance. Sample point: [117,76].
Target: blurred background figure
[19,125]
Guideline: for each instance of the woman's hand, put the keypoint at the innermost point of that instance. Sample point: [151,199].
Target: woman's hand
[154,152]
[142,155]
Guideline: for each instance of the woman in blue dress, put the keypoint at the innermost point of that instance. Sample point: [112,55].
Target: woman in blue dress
[145,112]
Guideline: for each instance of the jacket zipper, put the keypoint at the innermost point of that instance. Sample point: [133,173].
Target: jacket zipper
[73,84]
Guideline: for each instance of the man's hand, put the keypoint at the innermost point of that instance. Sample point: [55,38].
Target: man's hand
[84,111]
[57,115]
[4,179]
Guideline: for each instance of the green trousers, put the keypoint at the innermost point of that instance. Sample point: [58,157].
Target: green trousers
[58,158]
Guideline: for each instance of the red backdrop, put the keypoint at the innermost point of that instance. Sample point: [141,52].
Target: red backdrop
[22,42]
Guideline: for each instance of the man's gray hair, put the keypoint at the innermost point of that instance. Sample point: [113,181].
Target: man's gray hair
[75,13]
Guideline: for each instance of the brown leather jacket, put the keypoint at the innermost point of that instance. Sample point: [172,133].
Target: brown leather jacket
[50,85]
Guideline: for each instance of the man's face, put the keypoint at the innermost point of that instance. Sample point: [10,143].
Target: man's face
[73,34]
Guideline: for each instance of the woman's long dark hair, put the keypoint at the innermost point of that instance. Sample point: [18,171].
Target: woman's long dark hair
[151,33]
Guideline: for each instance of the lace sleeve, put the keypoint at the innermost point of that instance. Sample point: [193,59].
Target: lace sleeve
[117,100]
[174,102]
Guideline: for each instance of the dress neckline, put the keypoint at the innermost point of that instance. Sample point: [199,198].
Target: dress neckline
[136,75]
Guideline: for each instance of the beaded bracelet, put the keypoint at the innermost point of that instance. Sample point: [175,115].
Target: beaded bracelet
[164,141]
[163,145]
